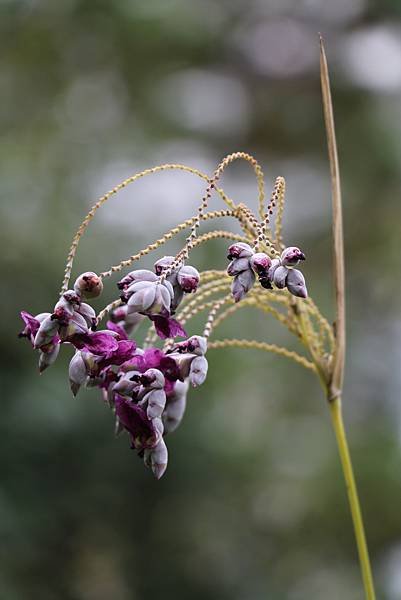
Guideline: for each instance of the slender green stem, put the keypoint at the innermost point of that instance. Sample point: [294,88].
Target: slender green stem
[338,425]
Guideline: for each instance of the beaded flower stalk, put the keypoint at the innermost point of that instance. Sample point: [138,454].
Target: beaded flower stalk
[146,383]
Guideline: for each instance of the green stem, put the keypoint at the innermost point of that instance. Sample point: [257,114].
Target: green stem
[338,425]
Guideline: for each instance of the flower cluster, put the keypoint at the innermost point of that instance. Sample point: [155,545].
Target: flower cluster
[245,264]
[146,388]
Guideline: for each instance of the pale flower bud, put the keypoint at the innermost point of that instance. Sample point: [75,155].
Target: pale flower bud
[87,312]
[154,401]
[280,277]
[163,263]
[88,285]
[188,279]
[46,332]
[237,265]
[134,277]
[291,256]
[157,458]
[77,372]
[198,371]
[296,283]
[175,406]
[275,264]
[48,358]
[242,283]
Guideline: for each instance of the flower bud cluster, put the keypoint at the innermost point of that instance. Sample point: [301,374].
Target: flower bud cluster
[150,294]
[245,265]
[72,321]
[146,389]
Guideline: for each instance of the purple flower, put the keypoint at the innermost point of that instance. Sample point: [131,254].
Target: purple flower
[134,419]
[117,328]
[32,324]
[166,327]
[98,343]
[154,358]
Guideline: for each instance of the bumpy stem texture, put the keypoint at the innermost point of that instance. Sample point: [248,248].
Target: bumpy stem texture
[338,425]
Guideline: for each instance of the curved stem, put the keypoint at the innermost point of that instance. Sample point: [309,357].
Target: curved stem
[338,426]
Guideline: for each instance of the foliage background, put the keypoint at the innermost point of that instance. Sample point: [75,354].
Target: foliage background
[253,505]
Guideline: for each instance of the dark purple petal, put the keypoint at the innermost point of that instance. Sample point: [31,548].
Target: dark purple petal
[134,419]
[169,368]
[166,327]
[32,324]
[169,386]
[125,350]
[101,344]
[117,329]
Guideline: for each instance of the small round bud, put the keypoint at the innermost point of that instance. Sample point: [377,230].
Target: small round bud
[88,285]
[188,279]
[291,256]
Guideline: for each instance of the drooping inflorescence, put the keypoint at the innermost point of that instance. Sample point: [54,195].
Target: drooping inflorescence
[146,384]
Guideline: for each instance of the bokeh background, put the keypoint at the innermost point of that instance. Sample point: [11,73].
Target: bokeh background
[253,503]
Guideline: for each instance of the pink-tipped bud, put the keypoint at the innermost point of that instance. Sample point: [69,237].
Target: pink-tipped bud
[239,250]
[260,263]
[291,256]
[188,279]
[296,284]
[88,285]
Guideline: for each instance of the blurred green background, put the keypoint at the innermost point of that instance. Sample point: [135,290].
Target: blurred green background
[253,504]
